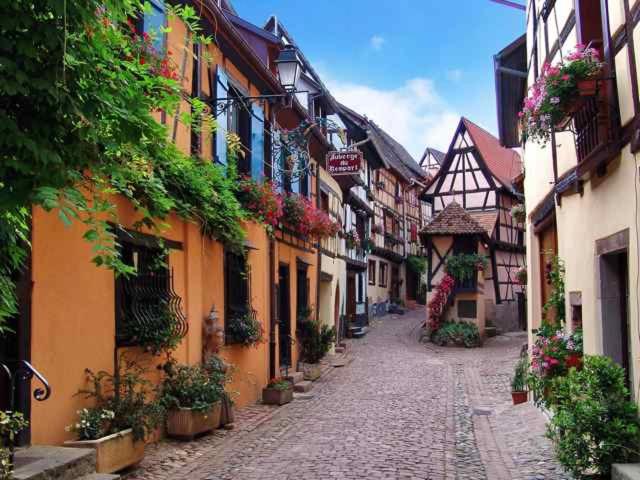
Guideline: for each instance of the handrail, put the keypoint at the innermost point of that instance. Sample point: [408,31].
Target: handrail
[25,372]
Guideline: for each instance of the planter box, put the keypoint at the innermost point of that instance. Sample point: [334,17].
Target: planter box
[311,371]
[114,452]
[519,397]
[187,423]
[271,396]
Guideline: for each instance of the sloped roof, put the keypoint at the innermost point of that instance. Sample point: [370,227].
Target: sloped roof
[504,163]
[486,220]
[436,154]
[453,220]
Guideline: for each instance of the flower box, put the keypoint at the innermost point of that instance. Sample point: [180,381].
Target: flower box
[187,423]
[275,396]
[519,397]
[311,371]
[113,452]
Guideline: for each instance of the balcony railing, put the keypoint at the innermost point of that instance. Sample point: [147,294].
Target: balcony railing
[591,124]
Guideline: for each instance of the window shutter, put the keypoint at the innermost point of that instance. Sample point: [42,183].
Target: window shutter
[222,88]
[257,143]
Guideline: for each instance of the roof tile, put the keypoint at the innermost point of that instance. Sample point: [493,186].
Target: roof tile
[453,220]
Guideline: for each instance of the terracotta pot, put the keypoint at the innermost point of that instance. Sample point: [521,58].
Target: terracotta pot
[519,397]
[574,360]
[113,452]
[187,423]
[271,396]
[311,371]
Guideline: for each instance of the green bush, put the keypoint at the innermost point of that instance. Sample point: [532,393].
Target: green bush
[245,330]
[315,340]
[191,386]
[463,334]
[519,380]
[595,424]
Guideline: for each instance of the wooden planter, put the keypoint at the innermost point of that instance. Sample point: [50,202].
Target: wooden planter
[113,452]
[519,397]
[271,396]
[311,371]
[185,423]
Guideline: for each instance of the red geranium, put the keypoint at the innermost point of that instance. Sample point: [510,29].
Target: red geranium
[262,200]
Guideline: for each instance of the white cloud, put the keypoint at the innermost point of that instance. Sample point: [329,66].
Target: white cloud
[413,113]
[376,42]
[455,75]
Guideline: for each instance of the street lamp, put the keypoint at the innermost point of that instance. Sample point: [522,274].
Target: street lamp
[289,68]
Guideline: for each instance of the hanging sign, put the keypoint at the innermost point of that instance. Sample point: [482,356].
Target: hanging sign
[344,163]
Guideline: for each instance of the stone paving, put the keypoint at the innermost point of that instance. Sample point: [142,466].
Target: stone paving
[400,410]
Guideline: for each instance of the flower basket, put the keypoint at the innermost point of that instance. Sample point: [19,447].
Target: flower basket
[588,87]
[519,397]
[113,452]
[276,396]
[186,423]
[311,371]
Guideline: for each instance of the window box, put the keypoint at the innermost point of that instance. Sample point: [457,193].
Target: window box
[186,423]
[113,452]
[274,396]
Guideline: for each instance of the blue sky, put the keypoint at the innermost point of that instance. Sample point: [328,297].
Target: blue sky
[413,66]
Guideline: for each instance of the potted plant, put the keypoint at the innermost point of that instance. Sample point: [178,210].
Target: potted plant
[315,341]
[519,213]
[191,394]
[277,392]
[519,392]
[11,424]
[352,239]
[244,329]
[126,411]
[521,275]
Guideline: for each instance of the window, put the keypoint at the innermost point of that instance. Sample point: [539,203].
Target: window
[372,272]
[324,201]
[153,22]
[239,122]
[145,302]
[384,268]
[236,281]
[467,309]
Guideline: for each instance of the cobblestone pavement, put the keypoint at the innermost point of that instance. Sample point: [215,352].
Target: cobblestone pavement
[400,410]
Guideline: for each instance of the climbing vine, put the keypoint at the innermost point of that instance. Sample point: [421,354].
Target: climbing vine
[79,107]
[555,304]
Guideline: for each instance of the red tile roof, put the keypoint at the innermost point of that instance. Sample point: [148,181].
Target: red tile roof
[486,220]
[453,220]
[504,163]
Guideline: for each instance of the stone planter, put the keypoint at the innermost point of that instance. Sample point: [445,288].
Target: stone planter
[272,396]
[311,371]
[186,423]
[113,452]
[519,397]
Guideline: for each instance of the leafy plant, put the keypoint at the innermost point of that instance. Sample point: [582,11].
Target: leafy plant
[158,334]
[129,396]
[352,239]
[244,329]
[280,384]
[463,266]
[92,424]
[463,334]
[554,274]
[6,464]
[11,424]
[595,424]
[191,386]
[519,380]
[315,340]
[417,265]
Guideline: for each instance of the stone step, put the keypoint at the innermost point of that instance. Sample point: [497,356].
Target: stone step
[625,471]
[303,396]
[62,463]
[303,386]
[101,476]
[295,377]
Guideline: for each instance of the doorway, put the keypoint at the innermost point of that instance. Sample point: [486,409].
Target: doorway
[614,297]
[395,283]
[351,297]
[284,317]
[336,314]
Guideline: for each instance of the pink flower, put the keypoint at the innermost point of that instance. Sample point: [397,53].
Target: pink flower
[566,77]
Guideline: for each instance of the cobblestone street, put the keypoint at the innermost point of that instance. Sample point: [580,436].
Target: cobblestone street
[400,410]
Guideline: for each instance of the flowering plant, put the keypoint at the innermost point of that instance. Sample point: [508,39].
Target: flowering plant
[93,423]
[521,275]
[279,383]
[438,302]
[158,62]
[262,200]
[553,92]
[353,239]
[554,351]
[302,216]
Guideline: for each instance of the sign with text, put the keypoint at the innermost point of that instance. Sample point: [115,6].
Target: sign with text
[344,163]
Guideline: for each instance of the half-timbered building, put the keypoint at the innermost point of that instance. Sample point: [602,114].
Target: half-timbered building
[476,176]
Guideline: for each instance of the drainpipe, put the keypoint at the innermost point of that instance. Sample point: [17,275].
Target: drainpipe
[319,256]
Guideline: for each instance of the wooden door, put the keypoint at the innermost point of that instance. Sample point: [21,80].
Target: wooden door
[284,318]
[351,297]
[548,241]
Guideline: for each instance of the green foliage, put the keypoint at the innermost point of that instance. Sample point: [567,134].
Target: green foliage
[417,265]
[463,334]
[555,273]
[77,97]
[191,386]
[156,335]
[130,397]
[11,424]
[463,266]
[279,384]
[6,467]
[315,340]
[595,424]
[245,330]
[519,380]
[92,424]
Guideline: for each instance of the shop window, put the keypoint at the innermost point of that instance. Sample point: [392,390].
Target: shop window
[372,272]
[384,270]
[145,300]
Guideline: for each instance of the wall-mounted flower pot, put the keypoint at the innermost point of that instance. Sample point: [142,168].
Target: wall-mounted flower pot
[185,423]
[311,371]
[519,397]
[113,452]
[272,396]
